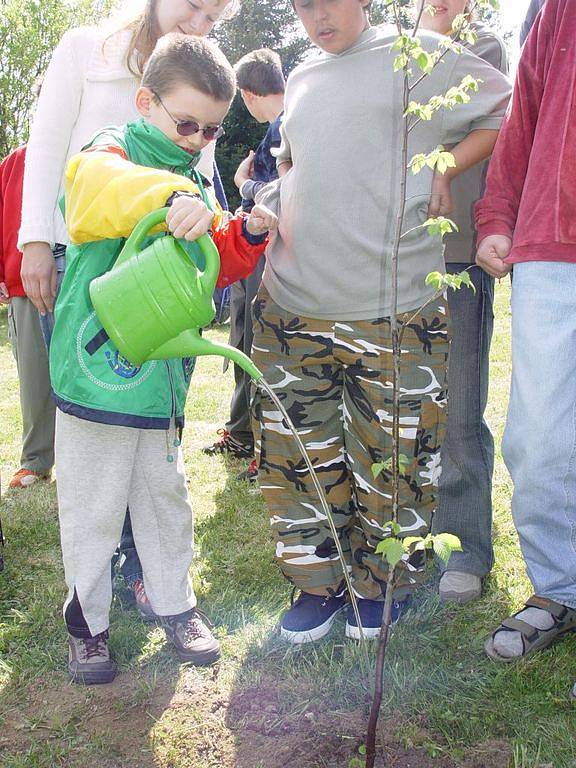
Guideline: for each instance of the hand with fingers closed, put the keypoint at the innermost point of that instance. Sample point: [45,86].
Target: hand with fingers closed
[245,170]
[492,251]
[261,220]
[39,277]
[441,202]
[189,217]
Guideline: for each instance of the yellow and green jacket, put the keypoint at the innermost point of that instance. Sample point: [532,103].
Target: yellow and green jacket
[124,174]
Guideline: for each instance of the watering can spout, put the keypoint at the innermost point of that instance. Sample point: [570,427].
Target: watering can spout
[191,344]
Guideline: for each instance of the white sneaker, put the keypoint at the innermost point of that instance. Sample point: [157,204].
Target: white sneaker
[459,587]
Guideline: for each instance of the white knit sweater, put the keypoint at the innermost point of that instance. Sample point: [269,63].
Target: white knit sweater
[85,89]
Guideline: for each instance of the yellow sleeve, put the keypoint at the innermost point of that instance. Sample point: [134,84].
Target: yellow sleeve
[106,195]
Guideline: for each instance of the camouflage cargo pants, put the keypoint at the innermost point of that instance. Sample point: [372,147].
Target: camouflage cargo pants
[334,379]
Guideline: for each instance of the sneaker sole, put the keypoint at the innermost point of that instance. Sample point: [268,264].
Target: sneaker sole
[28,484]
[459,597]
[204,659]
[93,677]
[371,633]
[310,635]
[353,633]
[226,452]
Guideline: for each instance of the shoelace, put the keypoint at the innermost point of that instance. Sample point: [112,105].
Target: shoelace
[94,646]
[195,628]
[195,625]
[225,437]
[304,596]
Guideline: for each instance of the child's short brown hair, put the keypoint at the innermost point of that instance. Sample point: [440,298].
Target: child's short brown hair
[260,72]
[185,60]
[366,7]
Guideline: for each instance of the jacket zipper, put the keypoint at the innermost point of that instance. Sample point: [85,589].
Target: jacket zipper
[169,454]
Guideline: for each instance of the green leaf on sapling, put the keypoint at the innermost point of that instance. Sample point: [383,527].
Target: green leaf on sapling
[394,527]
[391,550]
[445,544]
[435,279]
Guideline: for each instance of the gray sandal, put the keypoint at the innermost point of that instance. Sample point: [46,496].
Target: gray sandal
[534,639]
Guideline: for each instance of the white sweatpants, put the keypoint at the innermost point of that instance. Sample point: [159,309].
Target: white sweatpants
[102,469]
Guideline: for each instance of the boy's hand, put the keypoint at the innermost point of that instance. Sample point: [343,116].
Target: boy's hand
[4,296]
[245,170]
[284,167]
[39,276]
[441,203]
[189,218]
[491,252]
[261,220]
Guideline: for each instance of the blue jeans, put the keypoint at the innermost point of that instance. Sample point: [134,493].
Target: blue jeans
[126,557]
[539,445]
[47,321]
[465,503]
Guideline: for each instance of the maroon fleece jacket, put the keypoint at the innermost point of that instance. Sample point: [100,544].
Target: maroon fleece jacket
[531,184]
[11,175]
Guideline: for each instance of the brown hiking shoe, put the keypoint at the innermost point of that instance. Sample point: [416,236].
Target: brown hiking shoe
[89,661]
[190,633]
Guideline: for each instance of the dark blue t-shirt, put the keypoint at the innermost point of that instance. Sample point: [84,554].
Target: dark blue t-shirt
[264,164]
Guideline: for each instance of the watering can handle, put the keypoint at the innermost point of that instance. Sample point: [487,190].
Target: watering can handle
[207,278]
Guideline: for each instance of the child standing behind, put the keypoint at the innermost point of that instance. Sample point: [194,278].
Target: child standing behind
[118,426]
[261,83]
[25,334]
[465,502]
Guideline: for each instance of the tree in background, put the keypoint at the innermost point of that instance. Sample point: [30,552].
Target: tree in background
[30,30]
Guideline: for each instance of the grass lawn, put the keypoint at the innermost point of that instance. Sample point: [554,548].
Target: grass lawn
[265,705]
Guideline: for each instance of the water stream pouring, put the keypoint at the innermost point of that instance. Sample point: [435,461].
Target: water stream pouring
[153,304]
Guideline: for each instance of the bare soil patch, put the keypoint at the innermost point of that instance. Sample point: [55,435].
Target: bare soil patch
[201,724]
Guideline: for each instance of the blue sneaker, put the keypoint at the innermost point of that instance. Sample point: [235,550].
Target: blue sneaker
[310,617]
[371,612]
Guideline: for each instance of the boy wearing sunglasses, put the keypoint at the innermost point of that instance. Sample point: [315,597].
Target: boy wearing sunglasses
[118,426]
[322,331]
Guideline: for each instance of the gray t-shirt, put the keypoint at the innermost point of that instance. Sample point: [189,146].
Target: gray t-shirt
[339,203]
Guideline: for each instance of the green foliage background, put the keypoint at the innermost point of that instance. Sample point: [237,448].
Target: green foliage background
[30,30]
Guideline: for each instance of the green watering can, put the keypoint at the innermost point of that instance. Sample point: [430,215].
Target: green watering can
[153,302]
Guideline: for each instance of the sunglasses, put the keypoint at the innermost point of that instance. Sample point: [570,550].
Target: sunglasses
[190,127]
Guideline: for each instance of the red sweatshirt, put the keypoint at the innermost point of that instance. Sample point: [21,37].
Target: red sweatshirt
[531,185]
[11,175]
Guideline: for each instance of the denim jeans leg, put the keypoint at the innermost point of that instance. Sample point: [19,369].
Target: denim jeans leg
[243,294]
[47,321]
[465,504]
[539,445]
[129,563]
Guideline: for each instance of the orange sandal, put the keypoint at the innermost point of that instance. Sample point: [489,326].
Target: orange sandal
[24,478]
